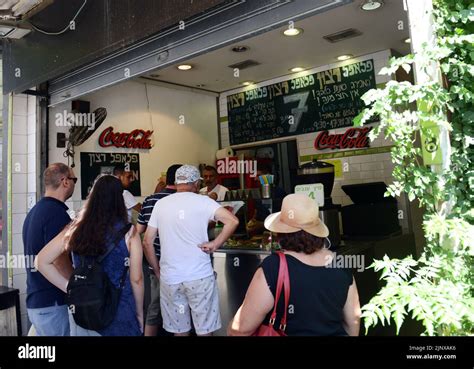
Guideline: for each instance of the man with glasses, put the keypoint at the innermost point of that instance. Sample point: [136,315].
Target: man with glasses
[45,303]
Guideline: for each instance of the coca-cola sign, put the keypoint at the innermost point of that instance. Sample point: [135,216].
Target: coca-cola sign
[353,138]
[136,139]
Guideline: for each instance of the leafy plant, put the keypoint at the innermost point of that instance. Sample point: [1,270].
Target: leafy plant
[438,288]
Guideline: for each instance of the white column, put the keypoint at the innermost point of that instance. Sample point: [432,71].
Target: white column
[420,16]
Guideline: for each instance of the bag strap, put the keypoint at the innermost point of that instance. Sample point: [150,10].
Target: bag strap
[122,279]
[286,288]
[121,233]
[282,282]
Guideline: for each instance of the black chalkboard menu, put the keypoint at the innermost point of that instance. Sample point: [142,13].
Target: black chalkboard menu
[321,101]
[95,163]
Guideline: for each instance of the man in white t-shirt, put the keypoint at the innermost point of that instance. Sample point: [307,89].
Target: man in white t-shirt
[126,177]
[188,288]
[212,188]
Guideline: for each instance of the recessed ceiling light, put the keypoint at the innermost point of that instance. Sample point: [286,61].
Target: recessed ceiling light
[247,83]
[297,69]
[240,49]
[293,31]
[345,57]
[369,5]
[184,67]
[407,40]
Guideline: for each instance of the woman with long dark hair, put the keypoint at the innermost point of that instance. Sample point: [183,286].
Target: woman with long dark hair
[92,234]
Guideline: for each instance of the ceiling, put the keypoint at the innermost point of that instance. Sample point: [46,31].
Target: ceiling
[277,53]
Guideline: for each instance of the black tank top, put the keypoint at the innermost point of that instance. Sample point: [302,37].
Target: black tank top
[317,298]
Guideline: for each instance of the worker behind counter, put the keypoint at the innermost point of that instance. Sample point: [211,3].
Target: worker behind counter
[126,178]
[212,188]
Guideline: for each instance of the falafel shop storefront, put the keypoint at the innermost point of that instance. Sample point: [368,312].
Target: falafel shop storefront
[272,94]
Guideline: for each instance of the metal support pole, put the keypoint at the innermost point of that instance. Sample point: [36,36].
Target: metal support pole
[421,23]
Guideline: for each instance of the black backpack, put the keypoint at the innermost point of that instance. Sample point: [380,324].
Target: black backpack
[92,298]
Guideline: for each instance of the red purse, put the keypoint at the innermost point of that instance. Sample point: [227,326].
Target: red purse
[283,282]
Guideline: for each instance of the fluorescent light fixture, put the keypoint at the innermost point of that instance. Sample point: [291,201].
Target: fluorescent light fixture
[184,67]
[24,6]
[345,57]
[5,30]
[297,69]
[247,83]
[369,5]
[18,33]
[13,32]
[292,31]
[407,40]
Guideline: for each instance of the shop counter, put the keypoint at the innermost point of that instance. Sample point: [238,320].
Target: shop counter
[235,267]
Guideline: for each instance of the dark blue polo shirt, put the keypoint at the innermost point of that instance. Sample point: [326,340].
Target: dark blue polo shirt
[44,221]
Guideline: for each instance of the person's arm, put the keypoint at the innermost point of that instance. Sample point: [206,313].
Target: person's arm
[46,263]
[141,228]
[149,249]
[230,222]
[136,272]
[64,264]
[351,311]
[52,228]
[257,304]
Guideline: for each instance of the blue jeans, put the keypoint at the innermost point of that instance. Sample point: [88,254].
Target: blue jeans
[50,321]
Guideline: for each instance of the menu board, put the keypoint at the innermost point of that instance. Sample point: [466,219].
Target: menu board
[316,102]
[95,163]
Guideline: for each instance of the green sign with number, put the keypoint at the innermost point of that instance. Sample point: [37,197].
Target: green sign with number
[314,191]
[315,102]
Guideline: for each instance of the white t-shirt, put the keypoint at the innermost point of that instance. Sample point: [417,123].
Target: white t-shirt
[219,189]
[182,219]
[130,202]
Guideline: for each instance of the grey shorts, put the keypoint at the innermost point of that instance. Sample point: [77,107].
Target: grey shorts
[198,299]
[153,316]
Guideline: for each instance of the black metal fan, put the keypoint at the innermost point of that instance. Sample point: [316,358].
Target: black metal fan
[79,133]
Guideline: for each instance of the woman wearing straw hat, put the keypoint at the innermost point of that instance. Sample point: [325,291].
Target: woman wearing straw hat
[323,298]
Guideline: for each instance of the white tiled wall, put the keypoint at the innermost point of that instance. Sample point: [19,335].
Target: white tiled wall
[24,177]
[361,169]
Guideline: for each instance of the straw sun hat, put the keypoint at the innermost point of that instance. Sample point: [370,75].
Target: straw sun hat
[298,212]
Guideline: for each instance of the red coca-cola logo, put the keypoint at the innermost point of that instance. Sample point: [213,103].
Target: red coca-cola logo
[353,138]
[137,139]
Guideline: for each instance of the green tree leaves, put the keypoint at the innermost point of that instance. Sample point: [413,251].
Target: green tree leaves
[438,288]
